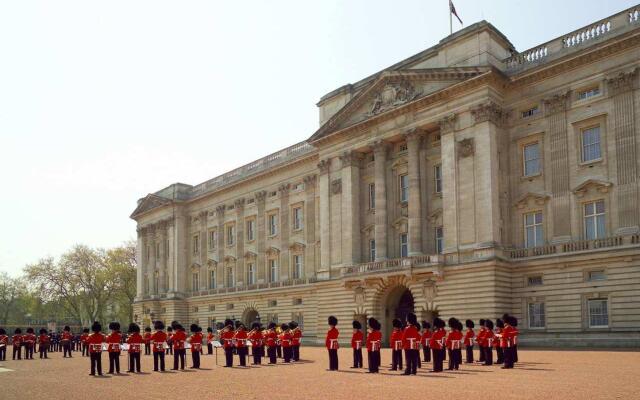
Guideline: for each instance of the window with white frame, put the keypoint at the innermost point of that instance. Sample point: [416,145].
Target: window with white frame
[231,277]
[404,246]
[590,138]
[598,313]
[439,238]
[251,229]
[372,250]
[594,220]
[531,159]
[533,233]
[251,274]
[231,235]
[534,280]
[404,188]
[372,196]
[297,266]
[588,93]
[196,244]
[212,279]
[195,281]
[536,315]
[437,178]
[535,110]
[273,224]
[597,275]
[273,270]
[213,239]
[297,218]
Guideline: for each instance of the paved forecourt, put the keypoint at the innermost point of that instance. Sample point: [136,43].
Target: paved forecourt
[540,375]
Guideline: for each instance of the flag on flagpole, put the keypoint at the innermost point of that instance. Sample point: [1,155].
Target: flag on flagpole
[452,9]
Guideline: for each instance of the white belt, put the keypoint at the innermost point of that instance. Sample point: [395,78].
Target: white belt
[455,344]
[333,344]
[358,344]
[375,345]
[397,345]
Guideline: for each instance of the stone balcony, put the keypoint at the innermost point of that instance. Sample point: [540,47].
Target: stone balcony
[249,288]
[578,246]
[391,265]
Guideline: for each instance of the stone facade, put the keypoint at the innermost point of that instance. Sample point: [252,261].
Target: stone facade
[468,180]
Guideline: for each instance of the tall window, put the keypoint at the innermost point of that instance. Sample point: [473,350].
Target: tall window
[404,248]
[273,270]
[212,279]
[297,266]
[437,178]
[372,196]
[251,229]
[536,315]
[598,313]
[297,218]
[533,229]
[196,244]
[213,239]
[273,224]
[594,220]
[372,250]
[439,235]
[195,281]
[231,235]
[231,278]
[531,157]
[251,274]
[591,144]
[404,188]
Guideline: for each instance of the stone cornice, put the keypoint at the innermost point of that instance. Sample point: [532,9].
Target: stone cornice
[260,196]
[351,159]
[489,111]
[622,82]
[284,189]
[239,203]
[220,210]
[556,103]
[324,166]
[448,123]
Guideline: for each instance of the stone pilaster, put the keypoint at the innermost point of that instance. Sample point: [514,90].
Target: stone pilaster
[171,257]
[350,207]
[261,237]
[240,273]
[450,189]
[380,150]
[151,265]
[325,224]
[140,245]
[220,273]
[202,219]
[162,231]
[414,140]
[310,225]
[284,189]
[180,245]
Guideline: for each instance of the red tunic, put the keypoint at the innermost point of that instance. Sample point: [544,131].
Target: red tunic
[241,338]
[16,340]
[374,339]
[196,342]
[286,339]
[134,341]
[256,338]
[83,337]
[227,338]
[481,338]
[95,342]
[435,342]
[44,338]
[114,342]
[489,338]
[454,339]
[426,335]
[411,338]
[497,334]
[296,336]
[356,339]
[146,337]
[210,337]
[271,337]
[66,336]
[4,340]
[158,338]
[29,339]
[468,337]
[331,340]
[506,337]
[395,340]
[178,339]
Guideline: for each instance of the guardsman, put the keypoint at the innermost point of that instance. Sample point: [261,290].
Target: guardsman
[83,342]
[169,349]
[134,340]
[296,338]
[94,341]
[331,342]
[507,340]
[43,339]
[480,339]
[454,344]
[426,335]
[395,341]
[257,343]
[374,342]
[29,342]
[179,339]
[158,340]
[489,337]
[436,343]
[278,344]
[468,340]
[210,338]
[113,347]
[196,345]
[241,344]
[146,338]
[227,342]
[411,344]
[16,340]
[514,325]
[496,343]
[65,339]
[4,342]
[357,339]
[285,342]
[271,338]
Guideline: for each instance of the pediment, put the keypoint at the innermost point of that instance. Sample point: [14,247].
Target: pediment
[435,215]
[211,263]
[273,251]
[537,198]
[297,246]
[229,259]
[195,267]
[601,186]
[401,224]
[250,255]
[148,203]
[392,90]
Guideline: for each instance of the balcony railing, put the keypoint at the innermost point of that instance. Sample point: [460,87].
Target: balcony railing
[575,246]
[256,286]
[395,264]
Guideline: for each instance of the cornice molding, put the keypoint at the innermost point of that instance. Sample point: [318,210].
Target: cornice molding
[448,123]
[324,166]
[556,103]
[623,82]
[489,111]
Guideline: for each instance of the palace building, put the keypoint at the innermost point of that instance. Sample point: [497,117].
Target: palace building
[467,180]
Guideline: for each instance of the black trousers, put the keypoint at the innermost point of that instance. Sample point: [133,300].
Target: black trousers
[333,359]
[179,355]
[279,351]
[158,356]
[396,359]
[488,355]
[438,358]
[426,351]
[287,353]
[169,350]
[228,356]
[134,362]
[28,352]
[295,352]
[412,356]
[66,348]
[114,361]
[357,358]
[455,358]
[3,353]
[271,352]
[17,350]
[470,354]
[243,352]
[43,351]
[515,353]
[508,357]
[373,358]
[147,349]
[195,358]
[85,350]
[96,363]
[481,358]
[256,352]
[209,348]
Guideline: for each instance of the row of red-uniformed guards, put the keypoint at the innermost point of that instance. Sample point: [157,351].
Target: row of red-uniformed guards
[436,343]
[29,339]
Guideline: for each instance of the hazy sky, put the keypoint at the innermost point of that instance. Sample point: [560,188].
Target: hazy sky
[102,102]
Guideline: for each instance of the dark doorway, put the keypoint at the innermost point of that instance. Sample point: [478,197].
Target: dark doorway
[399,302]
[405,305]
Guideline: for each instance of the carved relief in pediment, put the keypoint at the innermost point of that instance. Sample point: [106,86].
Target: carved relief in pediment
[393,95]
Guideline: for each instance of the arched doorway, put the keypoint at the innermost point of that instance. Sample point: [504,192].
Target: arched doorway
[397,304]
[249,316]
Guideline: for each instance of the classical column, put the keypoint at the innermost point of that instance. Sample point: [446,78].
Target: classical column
[325,224]
[414,139]
[162,227]
[380,149]
[284,231]
[626,191]
[202,217]
[180,242]
[171,257]
[450,188]
[221,243]
[310,225]
[350,207]
[151,265]
[140,255]
[239,206]
[261,236]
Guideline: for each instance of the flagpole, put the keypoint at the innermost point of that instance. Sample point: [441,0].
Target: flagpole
[450,21]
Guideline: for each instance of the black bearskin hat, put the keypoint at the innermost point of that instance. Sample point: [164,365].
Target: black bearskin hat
[481,322]
[209,329]
[371,321]
[412,319]
[284,327]
[17,331]
[452,322]
[293,324]
[272,325]
[42,332]
[374,324]
[29,330]
[179,327]
[469,323]
[426,325]
[396,323]
[114,326]
[169,329]
[193,328]
[133,328]
[199,329]
[238,324]
[147,329]
[333,321]
[66,328]
[255,325]
[499,323]
[513,321]
[488,324]
[158,325]
[174,324]
[85,330]
[96,327]
[505,316]
[2,331]
[228,322]
[438,323]
[356,325]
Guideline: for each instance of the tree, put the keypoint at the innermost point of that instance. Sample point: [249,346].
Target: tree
[11,289]
[122,264]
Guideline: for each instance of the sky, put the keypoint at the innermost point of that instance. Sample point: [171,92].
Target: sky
[102,102]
